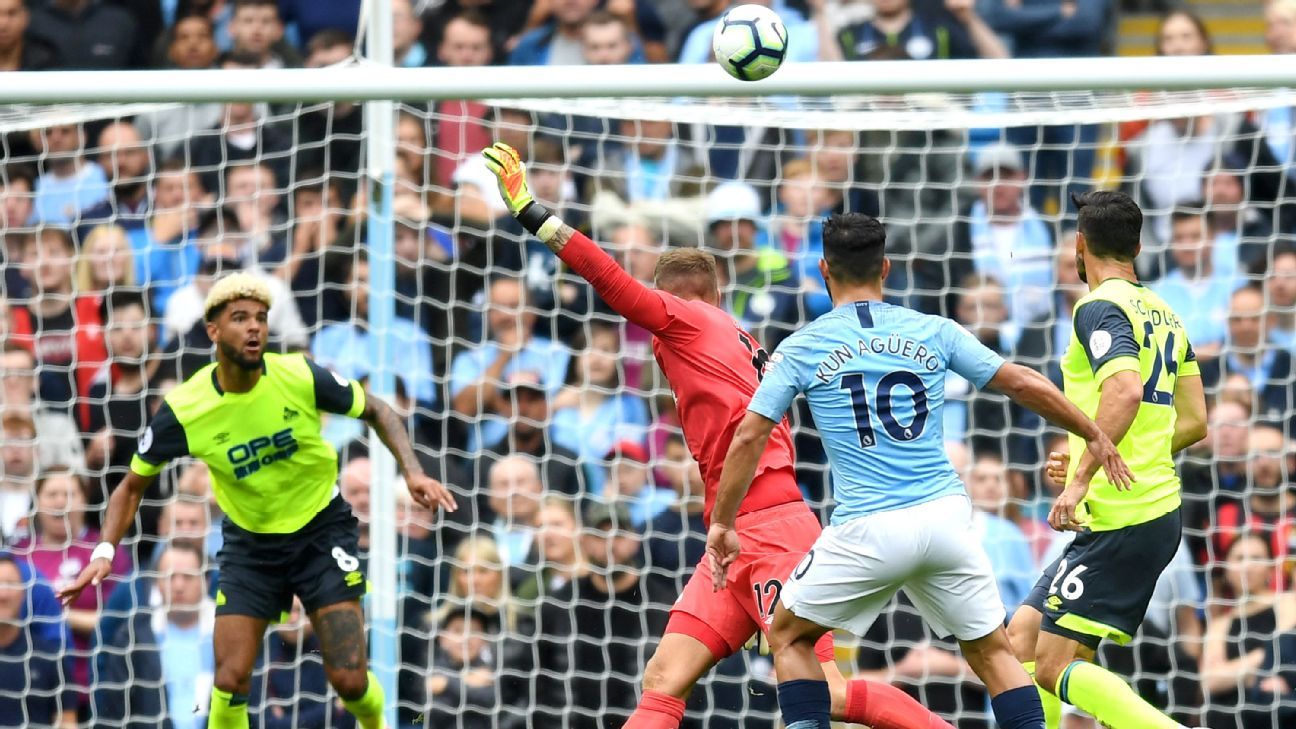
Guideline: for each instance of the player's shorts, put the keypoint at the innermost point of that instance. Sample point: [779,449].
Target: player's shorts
[1101,585]
[260,573]
[931,550]
[773,541]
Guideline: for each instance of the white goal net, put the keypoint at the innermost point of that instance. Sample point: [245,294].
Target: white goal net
[545,411]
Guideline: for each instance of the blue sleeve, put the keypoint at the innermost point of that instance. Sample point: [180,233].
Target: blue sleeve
[466,369]
[781,381]
[968,357]
[1105,332]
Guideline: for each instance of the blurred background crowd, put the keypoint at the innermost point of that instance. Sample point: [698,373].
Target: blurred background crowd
[537,603]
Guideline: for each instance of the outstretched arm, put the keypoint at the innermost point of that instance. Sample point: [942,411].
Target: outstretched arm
[122,507]
[628,297]
[427,491]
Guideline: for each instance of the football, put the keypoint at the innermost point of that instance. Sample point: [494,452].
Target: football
[750,42]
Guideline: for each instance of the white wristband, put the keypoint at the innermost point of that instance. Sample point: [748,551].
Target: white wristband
[103,550]
[549,228]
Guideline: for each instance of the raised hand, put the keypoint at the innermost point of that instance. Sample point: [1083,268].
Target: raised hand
[507,166]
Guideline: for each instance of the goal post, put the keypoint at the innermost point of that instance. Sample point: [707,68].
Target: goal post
[915,131]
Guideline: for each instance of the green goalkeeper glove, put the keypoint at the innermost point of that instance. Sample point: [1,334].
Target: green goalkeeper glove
[506,164]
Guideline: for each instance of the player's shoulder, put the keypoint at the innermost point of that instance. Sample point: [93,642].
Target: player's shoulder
[293,364]
[195,392]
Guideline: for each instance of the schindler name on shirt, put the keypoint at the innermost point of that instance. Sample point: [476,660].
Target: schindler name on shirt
[894,345]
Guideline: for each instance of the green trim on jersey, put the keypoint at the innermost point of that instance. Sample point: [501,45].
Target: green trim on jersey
[1164,355]
[272,472]
[1081,624]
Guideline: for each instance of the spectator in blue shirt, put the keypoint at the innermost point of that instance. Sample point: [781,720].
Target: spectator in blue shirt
[1003,236]
[350,349]
[69,183]
[898,31]
[477,374]
[1051,28]
[557,42]
[161,663]
[1197,289]
[1009,550]
[598,412]
[35,683]
[408,51]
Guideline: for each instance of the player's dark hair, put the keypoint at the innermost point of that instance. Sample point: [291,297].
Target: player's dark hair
[1111,222]
[119,299]
[854,245]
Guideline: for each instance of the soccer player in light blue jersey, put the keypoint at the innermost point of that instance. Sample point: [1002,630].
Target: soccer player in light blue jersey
[874,377]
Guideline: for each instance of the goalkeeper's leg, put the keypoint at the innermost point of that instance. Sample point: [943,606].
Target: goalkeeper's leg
[677,664]
[340,628]
[236,642]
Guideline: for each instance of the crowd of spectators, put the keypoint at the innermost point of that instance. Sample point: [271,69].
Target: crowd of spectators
[538,602]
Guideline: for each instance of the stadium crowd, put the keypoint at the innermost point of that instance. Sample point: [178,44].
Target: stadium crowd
[538,601]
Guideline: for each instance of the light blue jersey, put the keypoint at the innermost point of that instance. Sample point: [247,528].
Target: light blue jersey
[874,376]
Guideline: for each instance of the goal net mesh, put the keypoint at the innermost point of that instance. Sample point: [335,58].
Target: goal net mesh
[541,407]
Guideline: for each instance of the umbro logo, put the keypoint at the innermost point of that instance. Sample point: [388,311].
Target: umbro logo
[289,414]
[221,438]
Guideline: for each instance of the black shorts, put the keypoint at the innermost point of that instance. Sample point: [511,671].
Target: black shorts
[1101,586]
[260,573]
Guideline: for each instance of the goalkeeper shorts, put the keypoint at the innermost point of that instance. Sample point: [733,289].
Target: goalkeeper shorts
[773,541]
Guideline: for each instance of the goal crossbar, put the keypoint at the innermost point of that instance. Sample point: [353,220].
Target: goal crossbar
[371,82]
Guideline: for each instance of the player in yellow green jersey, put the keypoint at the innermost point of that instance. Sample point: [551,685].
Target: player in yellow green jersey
[1131,368]
[254,419]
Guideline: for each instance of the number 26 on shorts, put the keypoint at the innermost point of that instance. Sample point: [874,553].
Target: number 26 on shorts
[1071,587]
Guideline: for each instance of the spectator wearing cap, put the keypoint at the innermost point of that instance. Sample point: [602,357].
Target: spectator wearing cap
[630,481]
[761,289]
[1197,289]
[1270,370]
[1001,235]
[35,670]
[597,411]
[511,347]
[18,51]
[351,349]
[90,35]
[529,435]
[596,634]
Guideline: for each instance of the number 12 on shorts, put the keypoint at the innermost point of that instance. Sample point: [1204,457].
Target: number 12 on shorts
[1071,586]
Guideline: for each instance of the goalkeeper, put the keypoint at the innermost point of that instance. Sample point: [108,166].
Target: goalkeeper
[254,419]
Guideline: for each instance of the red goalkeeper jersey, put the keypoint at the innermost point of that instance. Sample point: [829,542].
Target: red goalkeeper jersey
[713,367]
